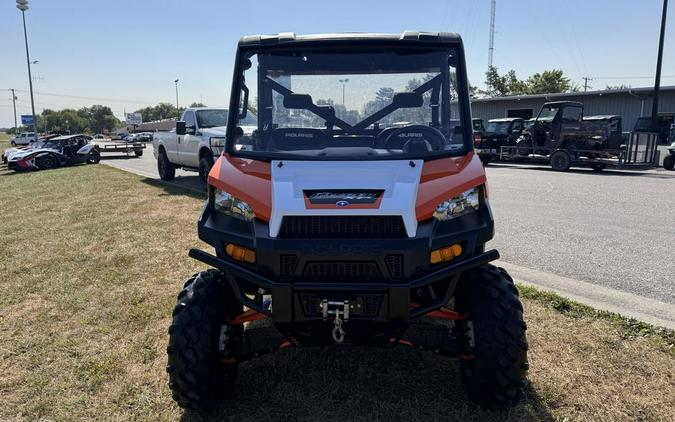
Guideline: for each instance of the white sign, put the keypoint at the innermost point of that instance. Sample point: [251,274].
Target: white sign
[134,118]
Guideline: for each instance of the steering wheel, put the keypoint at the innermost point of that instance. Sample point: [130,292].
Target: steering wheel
[399,137]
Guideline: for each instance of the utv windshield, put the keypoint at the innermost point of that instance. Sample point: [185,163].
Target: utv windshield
[500,128]
[547,114]
[391,104]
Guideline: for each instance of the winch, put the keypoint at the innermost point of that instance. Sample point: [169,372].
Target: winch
[341,310]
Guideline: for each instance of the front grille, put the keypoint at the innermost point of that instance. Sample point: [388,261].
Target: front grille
[394,266]
[323,226]
[342,271]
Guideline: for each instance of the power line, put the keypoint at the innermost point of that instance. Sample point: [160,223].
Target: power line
[631,77]
[79,97]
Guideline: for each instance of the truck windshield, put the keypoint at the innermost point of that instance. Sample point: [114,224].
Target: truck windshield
[211,118]
[313,104]
[499,128]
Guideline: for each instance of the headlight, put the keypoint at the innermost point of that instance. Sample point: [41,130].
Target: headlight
[465,203]
[217,142]
[234,207]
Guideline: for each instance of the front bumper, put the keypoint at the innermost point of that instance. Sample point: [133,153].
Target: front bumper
[384,298]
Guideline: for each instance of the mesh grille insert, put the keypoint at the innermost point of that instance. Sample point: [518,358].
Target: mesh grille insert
[320,226]
[288,265]
[394,266]
[342,271]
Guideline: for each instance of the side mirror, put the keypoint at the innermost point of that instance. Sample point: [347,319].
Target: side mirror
[407,100]
[180,128]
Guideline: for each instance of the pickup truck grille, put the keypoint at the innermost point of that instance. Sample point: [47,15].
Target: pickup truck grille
[320,226]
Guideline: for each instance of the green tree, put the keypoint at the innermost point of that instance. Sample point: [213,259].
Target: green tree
[549,81]
[160,111]
[197,105]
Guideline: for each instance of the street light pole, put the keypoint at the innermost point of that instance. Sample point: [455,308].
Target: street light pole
[343,82]
[23,6]
[177,108]
[657,79]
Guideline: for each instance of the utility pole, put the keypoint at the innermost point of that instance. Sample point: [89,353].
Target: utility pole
[491,48]
[16,128]
[657,79]
[586,79]
[22,5]
[177,109]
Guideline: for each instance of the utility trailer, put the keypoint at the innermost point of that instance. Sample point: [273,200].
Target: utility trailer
[127,148]
[639,153]
[561,136]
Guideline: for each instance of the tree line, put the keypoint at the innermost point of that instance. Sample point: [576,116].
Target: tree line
[96,119]
[546,82]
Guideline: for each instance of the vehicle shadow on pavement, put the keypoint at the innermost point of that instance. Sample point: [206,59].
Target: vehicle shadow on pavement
[187,186]
[353,384]
[110,157]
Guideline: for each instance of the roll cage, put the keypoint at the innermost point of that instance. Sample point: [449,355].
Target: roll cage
[439,99]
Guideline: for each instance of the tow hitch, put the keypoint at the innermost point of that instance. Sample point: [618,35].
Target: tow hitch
[336,308]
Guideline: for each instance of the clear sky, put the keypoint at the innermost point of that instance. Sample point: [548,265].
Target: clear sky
[126,54]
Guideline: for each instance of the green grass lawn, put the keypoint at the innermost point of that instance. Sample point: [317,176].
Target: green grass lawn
[93,257]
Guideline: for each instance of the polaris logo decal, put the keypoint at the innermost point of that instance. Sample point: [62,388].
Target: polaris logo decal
[342,203]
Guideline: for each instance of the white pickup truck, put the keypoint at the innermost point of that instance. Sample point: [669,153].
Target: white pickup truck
[24,138]
[195,143]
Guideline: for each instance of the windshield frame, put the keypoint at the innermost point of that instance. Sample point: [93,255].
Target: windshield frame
[328,46]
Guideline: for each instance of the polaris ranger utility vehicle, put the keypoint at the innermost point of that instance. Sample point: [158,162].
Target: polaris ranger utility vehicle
[337,223]
[563,137]
[499,133]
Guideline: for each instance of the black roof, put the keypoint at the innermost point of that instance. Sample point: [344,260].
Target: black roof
[603,117]
[505,119]
[564,103]
[407,37]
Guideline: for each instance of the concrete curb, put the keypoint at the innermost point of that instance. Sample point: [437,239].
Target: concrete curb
[641,308]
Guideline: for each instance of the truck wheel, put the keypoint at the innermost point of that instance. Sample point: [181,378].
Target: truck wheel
[138,152]
[494,375]
[198,377]
[205,164]
[94,156]
[669,162]
[560,161]
[485,160]
[166,170]
[13,143]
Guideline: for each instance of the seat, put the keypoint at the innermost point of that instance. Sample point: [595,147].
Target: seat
[295,139]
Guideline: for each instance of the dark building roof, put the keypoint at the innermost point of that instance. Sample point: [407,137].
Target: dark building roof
[635,91]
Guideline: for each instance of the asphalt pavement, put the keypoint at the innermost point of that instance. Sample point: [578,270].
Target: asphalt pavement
[147,166]
[606,239]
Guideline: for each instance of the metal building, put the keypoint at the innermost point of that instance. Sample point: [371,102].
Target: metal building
[629,103]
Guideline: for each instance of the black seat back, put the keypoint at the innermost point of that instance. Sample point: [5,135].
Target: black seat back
[294,139]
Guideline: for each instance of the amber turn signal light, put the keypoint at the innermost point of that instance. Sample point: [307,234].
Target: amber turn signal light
[239,253]
[445,254]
